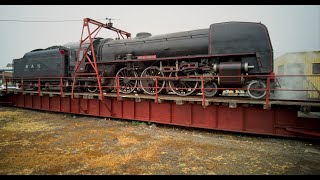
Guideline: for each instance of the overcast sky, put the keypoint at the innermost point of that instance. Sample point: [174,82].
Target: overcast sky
[291,28]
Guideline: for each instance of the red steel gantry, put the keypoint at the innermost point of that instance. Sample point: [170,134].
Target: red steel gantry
[93,61]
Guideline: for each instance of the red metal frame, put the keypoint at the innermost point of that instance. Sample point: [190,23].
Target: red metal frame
[111,61]
[157,90]
[202,91]
[239,119]
[61,86]
[39,87]
[117,86]
[93,63]
[267,94]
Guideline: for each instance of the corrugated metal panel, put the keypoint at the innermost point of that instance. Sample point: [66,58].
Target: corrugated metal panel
[314,82]
[307,58]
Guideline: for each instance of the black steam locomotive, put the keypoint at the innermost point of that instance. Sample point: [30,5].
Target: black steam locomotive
[223,55]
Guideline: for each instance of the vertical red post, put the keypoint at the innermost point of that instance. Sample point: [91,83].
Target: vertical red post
[73,84]
[268,92]
[6,86]
[61,86]
[202,91]
[100,88]
[118,86]
[156,90]
[93,55]
[39,87]
[22,86]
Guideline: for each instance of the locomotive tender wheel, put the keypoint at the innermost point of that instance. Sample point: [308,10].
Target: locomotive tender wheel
[92,87]
[211,91]
[126,84]
[256,94]
[149,85]
[183,88]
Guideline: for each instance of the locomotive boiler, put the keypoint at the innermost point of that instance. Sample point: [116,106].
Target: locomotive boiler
[238,48]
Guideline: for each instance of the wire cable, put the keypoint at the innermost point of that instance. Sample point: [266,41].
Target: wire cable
[18,20]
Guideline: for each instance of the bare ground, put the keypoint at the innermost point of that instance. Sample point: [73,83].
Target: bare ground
[33,142]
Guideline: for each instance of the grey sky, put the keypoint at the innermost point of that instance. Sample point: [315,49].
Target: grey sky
[291,28]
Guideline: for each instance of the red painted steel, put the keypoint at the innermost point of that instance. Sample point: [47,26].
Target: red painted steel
[119,31]
[156,90]
[39,87]
[268,91]
[61,86]
[94,65]
[277,121]
[93,61]
[118,87]
[111,61]
[202,91]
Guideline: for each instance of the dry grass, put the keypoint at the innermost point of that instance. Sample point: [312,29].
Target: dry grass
[21,121]
[34,142]
[29,126]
